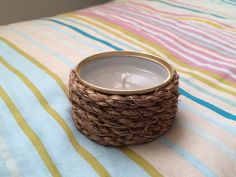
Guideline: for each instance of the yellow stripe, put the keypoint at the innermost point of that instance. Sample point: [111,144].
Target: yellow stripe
[82,151]
[37,93]
[141,162]
[30,133]
[37,63]
[171,57]
[211,23]
[147,167]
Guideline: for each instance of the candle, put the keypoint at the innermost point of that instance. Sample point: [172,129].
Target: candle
[124,72]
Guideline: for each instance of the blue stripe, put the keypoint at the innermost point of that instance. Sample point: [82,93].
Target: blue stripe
[86,34]
[212,120]
[207,92]
[229,2]
[208,105]
[76,39]
[65,60]
[188,157]
[190,9]
[100,33]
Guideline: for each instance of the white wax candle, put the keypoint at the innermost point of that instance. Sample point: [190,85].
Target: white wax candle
[123,73]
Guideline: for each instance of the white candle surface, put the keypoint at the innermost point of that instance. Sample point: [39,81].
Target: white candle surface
[124,73]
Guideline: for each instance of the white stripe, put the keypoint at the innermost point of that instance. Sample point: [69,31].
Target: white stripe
[207,98]
[209,88]
[9,161]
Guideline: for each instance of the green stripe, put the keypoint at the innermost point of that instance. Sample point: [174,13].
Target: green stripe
[190,9]
[30,133]
[82,151]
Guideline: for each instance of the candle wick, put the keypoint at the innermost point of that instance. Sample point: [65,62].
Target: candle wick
[124,77]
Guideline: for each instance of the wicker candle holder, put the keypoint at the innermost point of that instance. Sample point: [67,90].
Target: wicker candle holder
[119,117]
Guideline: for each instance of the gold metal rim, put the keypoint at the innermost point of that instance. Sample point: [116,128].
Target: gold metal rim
[152,58]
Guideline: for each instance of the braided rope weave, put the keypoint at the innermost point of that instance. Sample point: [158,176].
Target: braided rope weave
[123,120]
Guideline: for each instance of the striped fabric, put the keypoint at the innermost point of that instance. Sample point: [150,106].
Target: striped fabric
[37,135]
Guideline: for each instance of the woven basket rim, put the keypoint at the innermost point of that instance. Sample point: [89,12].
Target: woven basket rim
[140,55]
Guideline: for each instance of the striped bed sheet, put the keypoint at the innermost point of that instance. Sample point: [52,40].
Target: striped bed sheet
[37,135]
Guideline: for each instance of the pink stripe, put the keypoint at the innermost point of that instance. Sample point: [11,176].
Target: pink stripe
[229,59]
[183,42]
[221,56]
[217,31]
[183,26]
[180,15]
[192,30]
[231,35]
[195,32]
[227,35]
[163,44]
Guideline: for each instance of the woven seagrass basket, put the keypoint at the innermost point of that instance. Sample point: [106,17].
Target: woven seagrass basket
[113,119]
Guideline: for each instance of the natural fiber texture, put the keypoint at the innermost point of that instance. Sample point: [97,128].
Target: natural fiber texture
[123,120]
